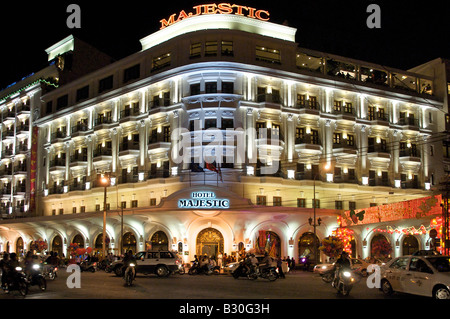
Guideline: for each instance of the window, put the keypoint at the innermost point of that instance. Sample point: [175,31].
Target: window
[134,203]
[83,93]
[227,48]
[211,48]
[161,61]
[210,123]
[337,138]
[132,73]
[228,87]
[74,210]
[196,50]
[351,205]
[62,102]
[299,135]
[400,263]
[338,204]
[419,265]
[227,123]
[301,202]
[82,209]
[97,207]
[53,212]
[276,201]
[49,107]
[268,55]
[195,89]
[261,200]
[152,201]
[211,87]
[166,134]
[105,84]
[348,108]
[61,211]
[316,202]
[123,205]
[337,106]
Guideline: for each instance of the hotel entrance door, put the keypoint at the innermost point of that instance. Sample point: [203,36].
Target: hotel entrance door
[209,242]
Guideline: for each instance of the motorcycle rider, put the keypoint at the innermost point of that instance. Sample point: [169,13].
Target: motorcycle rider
[266,262]
[4,266]
[342,263]
[127,260]
[254,263]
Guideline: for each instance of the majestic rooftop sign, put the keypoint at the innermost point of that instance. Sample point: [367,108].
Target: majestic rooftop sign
[221,8]
[203,200]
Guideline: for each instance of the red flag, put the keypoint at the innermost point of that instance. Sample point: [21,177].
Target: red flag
[212,167]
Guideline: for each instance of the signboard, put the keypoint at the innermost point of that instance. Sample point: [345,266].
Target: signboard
[203,200]
[33,167]
[412,209]
[221,8]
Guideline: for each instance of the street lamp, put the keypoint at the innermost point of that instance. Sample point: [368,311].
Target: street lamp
[105,180]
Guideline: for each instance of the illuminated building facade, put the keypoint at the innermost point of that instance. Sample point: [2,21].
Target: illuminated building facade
[336,133]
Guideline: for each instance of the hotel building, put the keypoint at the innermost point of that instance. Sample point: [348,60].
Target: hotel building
[336,134]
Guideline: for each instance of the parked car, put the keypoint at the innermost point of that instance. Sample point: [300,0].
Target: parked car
[357,264]
[161,263]
[417,275]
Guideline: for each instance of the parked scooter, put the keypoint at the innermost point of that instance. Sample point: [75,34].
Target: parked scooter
[88,266]
[345,281]
[17,281]
[36,278]
[197,270]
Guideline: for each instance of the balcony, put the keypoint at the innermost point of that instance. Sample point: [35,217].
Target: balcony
[129,149]
[103,121]
[344,147]
[129,112]
[57,164]
[345,113]
[308,144]
[79,129]
[269,137]
[379,151]
[58,136]
[411,122]
[128,178]
[308,107]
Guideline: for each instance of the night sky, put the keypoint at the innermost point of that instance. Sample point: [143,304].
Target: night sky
[412,32]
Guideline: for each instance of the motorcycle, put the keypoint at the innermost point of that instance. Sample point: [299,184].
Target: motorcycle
[87,266]
[328,276]
[345,281]
[104,265]
[130,274]
[197,270]
[17,281]
[243,270]
[36,278]
[269,273]
[50,272]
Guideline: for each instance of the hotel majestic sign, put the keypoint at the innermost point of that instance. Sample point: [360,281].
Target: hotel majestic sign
[203,200]
[221,8]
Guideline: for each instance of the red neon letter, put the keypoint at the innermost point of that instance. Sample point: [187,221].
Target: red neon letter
[258,15]
[225,8]
[165,23]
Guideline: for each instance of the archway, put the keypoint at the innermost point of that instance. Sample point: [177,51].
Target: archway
[410,245]
[308,245]
[98,244]
[19,246]
[129,242]
[78,239]
[380,247]
[57,245]
[159,241]
[268,241]
[209,242]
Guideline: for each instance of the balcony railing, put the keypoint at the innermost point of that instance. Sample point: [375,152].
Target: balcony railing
[103,152]
[308,139]
[58,162]
[409,152]
[129,112]
[411,121]
[128,146]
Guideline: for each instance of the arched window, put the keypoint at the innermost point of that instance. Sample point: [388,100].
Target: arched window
[410,245]
[19,246]
[380,247]
[209,242]
[57,245]
[308,246]
[269,242]
[159,241]
[78,239]
[128,242]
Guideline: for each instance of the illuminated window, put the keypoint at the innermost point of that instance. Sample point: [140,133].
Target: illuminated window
[161,61]
[227,48]
[196,50]
[276,201]
[268,55]
[211,48]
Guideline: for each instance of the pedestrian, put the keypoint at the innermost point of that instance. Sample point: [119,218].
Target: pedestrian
[280,267]
[4,266]
[220,260]
[292,264]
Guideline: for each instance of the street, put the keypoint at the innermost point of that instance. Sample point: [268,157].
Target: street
[102,285]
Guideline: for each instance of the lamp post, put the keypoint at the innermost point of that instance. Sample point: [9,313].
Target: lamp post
[105,181]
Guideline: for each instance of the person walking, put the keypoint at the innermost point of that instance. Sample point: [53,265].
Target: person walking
[280,267]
